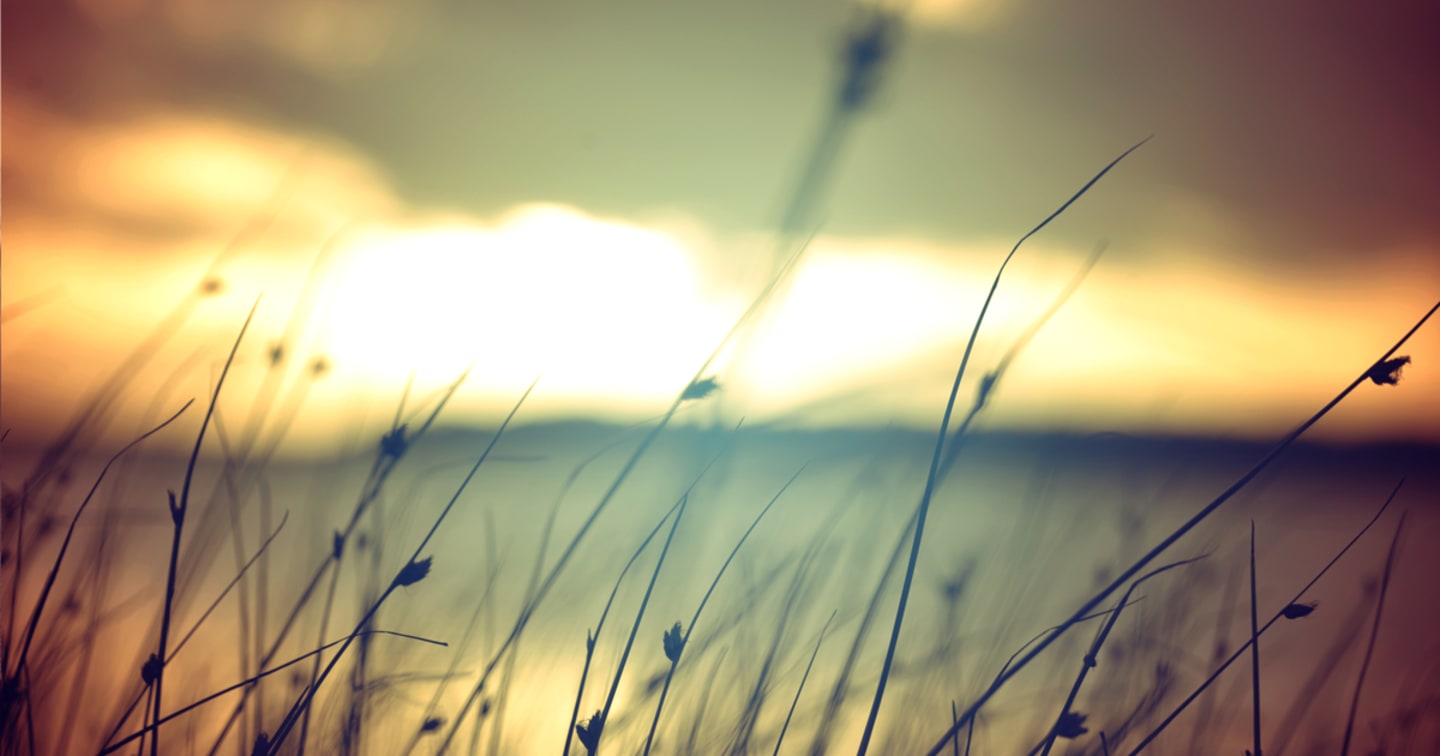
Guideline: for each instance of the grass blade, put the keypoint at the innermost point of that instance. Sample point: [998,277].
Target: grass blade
[1374,634]
[936,458]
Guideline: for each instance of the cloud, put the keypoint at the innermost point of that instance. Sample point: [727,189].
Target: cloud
[1308,125]
[1298,132]
[325,37]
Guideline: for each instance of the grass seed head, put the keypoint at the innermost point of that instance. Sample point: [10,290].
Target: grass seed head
[589,731]
[394,443]
[864,54]
[1296,611]
[674,643]
[987,385]
[1387,372]
[150,670]
[413,572]
[1071,725]
[700,389]
[177,511]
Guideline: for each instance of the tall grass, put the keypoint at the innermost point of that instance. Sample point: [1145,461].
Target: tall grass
[269,673]
[763,641]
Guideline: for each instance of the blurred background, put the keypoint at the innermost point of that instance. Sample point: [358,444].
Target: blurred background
[590,192]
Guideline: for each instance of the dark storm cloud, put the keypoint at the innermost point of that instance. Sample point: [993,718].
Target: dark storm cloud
[1307,129]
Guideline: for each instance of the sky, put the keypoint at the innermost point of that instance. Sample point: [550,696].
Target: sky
[588,193]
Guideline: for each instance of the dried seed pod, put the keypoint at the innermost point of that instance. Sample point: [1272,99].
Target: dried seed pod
[1296,611]
[413,572]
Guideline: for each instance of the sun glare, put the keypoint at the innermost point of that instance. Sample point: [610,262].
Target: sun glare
[616,315]
[599,308]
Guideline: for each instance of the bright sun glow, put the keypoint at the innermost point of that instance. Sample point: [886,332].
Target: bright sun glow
[599,308]
[615,316]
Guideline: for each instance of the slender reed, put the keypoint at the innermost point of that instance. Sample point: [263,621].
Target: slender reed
[535,575]
[54,573]
[841,689]
[764,683]
[414,570]
[955,716]
[992,379]
[1254,645]
[1278,615]
[148,728]
[1208,709]
[1375,372]
[391,449]
[591,638]
[674,650]
[1091,656]
[591,733]
[798,689]
[177,517]
[933,478]
[866,52]
[195,627]
[685,394]
[704,704]
[239,575]
[1374,634]
[1325,667]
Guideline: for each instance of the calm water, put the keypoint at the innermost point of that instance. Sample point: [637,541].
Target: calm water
[1021,531]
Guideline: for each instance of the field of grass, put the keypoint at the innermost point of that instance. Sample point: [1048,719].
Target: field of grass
[489,591]
[793,635]
[681,586]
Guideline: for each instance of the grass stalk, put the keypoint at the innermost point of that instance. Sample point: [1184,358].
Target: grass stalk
[955,717]
[53,575]
[594,728]
[993,378]
[779,739]
[1091,656]
[1254,645]
[1326,666]
[841,689]
[936,458]
[592,638]
[391,450]
[704,703]
[414,570]
[764,683]
[116,745]
[685,639]
[1149,738]
[177,518]
[1223,619]
[1374,635]
[1370,373]
[521,622]
[864,57]
[195,627]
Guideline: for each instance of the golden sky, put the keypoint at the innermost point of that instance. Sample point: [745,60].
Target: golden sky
[589,196]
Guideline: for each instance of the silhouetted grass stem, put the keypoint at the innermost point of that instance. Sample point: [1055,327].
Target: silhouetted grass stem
[1180,532]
